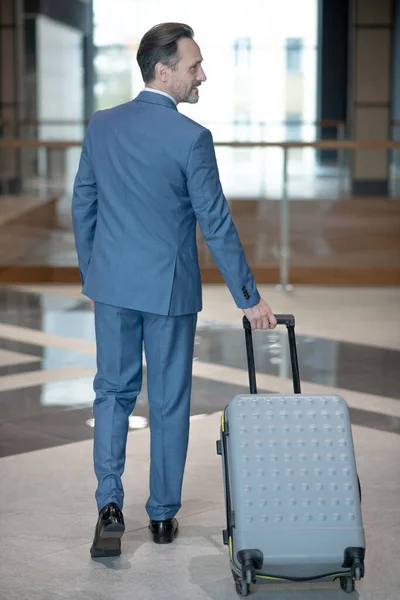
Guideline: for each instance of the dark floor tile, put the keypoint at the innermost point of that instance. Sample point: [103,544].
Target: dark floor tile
[40,400]
[83,305]
[36,402]
[211,396]
[22,347]
[48,415]
[33,303]
[78,324]
[41,417]
[48,358]
[375,420]
[68,425]
[14,440]
[20,368]
[337,364]
[32,318]
[21,300]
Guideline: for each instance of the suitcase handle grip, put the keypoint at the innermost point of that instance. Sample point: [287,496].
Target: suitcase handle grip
[289,321]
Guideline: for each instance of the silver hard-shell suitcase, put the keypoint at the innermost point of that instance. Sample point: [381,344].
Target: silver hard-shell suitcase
[293,498]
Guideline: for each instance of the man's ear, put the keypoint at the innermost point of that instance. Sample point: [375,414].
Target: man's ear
[161,71]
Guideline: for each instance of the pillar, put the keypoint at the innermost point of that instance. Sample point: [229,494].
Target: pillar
[88,60]
[396,70]
[371,26]
[11,73]
[332,69]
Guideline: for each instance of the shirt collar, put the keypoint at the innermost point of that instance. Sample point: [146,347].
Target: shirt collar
[147,89]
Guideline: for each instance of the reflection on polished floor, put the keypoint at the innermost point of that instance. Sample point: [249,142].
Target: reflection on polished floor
[351,241]
[348,343]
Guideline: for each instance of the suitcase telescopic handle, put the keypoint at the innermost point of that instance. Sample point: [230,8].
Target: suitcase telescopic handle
[289,321]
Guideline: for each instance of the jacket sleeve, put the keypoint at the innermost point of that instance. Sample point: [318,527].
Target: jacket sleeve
[84,208]
[215,221]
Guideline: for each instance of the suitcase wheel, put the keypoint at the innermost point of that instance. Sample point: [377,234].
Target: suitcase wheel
[347,584]
[242,588]
[358,573]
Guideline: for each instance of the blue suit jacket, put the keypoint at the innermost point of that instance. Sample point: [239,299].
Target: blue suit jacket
[146,174]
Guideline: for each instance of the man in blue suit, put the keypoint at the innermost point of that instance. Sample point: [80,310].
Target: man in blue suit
[147,174]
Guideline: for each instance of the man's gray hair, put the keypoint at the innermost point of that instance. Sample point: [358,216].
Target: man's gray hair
[160,45]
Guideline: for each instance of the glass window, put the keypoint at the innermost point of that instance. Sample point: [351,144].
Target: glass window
[293,127]
[294,52]
[242,51]
[261,67]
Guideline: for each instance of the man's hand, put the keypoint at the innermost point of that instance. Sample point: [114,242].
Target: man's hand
[92,303]
[260,316]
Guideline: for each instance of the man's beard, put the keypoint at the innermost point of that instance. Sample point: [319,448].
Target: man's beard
[192,99]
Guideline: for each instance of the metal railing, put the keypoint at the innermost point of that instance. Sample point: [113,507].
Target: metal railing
[284,245]
[284,250]
[235,122]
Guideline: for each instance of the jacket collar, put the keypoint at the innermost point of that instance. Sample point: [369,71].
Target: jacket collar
[154,98]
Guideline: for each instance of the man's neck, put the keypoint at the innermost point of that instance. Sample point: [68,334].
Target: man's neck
[152,87]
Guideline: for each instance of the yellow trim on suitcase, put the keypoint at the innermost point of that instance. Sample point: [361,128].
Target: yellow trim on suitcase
[258,576]
[306,580]
[270,578]
[223,421]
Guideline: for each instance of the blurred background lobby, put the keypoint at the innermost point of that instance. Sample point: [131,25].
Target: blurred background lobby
[303,101]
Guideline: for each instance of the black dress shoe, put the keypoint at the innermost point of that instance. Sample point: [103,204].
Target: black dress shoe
[164,532]
[109,530]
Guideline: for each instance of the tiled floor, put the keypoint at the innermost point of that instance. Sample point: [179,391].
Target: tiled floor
[348,343]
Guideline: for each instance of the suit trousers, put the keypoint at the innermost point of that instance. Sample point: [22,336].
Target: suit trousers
[168,345]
